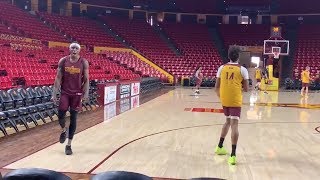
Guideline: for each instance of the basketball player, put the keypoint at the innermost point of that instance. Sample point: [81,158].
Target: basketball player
[305,77]
[231,77]
[258,79]
[266,79]
[199,77]
[73,79]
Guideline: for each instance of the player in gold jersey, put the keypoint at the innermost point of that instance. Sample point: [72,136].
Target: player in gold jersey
[305,78]
[231,79]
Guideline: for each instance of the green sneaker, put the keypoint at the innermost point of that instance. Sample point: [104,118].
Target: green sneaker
[220,151]
[232,160]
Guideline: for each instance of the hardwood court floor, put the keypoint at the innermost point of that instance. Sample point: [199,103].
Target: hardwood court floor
[174,136]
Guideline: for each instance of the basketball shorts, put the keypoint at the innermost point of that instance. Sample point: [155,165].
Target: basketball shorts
[305,84]
[258,80]
[232,112]
[72,101]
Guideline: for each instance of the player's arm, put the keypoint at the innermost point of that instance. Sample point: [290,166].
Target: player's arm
[310,77]
[217,85]
[57,81]
[245,76]
[86,81]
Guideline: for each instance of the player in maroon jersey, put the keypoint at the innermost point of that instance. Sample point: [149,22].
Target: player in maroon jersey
[73,80]
[199,77]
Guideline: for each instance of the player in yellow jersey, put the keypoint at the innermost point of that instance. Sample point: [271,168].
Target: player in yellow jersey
[231,79]
[305,78]
[258,78]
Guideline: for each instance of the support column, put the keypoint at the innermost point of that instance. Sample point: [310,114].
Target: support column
[274,19]
[178,18]
[68,9]
[259,19]
[34,5]
[49,8]
[225,19]
[239,19]
[130,14]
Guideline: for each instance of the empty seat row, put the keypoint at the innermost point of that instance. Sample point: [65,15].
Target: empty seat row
[21,106]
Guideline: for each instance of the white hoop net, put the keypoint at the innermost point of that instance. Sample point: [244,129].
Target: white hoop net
[276,52]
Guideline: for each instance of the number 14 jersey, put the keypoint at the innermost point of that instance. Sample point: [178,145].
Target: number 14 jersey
[231,77]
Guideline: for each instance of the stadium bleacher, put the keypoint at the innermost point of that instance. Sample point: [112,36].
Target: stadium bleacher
[307,53]
[23,21]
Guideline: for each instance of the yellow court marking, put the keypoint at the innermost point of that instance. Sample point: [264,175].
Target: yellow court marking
[290,105]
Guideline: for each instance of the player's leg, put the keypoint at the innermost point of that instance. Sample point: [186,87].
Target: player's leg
[258,84]
[63,107]
[197,86]
[295,85]
[220,150]
[266,86]
[75,105]
[235,117]
[307,89]
[234,139]
[302,89]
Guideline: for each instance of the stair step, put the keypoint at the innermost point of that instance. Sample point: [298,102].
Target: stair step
[218,42]
[167,39]
[289,61]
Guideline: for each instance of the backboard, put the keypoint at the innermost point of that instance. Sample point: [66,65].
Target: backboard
[272,46]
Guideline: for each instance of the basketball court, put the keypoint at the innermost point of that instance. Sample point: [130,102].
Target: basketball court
[174,136]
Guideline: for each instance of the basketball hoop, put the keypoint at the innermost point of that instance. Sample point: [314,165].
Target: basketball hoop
[276,55]
[276,52]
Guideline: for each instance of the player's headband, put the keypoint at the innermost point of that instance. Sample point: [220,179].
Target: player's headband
[75,44]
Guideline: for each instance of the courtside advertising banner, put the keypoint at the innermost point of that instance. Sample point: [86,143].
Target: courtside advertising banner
[125,105]
[110,94]
[125,90]
[135,88]
[110,111]
[135,102]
